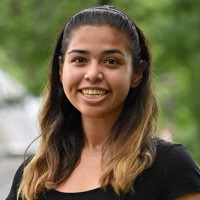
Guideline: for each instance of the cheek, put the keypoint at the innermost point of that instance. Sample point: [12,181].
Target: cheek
[70,79]
[122,80]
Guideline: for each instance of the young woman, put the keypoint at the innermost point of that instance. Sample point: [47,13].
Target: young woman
[98,121]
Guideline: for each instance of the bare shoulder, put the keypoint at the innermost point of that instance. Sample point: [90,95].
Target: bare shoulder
[190,196]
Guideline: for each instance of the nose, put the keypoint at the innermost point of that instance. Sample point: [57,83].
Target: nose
[93,73]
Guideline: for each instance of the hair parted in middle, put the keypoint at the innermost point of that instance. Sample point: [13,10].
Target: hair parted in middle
[130,144]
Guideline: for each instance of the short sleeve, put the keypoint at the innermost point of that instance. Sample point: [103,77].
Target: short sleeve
[181,173]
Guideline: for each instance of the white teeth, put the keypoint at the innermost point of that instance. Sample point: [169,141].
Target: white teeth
[93,93]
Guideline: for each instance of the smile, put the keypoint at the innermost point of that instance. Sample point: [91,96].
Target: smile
[93,93]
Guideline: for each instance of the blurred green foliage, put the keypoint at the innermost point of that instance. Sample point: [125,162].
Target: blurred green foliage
[28,30]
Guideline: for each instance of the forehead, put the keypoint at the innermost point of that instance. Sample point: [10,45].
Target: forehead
[103,35]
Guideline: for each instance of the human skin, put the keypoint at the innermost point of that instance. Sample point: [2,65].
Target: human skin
[97,61]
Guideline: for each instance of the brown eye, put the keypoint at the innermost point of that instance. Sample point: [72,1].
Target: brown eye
[79,60]
[112,61]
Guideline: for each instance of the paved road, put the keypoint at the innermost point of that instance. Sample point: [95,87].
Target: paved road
[8,167]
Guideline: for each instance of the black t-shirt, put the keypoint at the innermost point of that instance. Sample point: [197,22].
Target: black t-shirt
[173,173]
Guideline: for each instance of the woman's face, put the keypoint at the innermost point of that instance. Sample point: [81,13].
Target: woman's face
[97,72]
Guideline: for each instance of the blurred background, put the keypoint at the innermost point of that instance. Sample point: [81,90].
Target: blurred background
[27,33]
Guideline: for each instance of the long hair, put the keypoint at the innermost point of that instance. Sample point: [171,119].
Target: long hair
[129,149]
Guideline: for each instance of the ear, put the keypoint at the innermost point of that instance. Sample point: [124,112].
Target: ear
[60,68]
[137,76]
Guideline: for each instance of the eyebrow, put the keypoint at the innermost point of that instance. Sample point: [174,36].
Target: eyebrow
[110,51]
[78,51]
[113,51]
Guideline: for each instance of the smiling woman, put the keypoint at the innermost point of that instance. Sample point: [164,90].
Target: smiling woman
[106,69]
[98,121]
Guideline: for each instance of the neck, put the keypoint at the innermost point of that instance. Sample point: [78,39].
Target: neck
[96,131]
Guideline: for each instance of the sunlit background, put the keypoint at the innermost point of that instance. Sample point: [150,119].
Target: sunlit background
[27,32]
